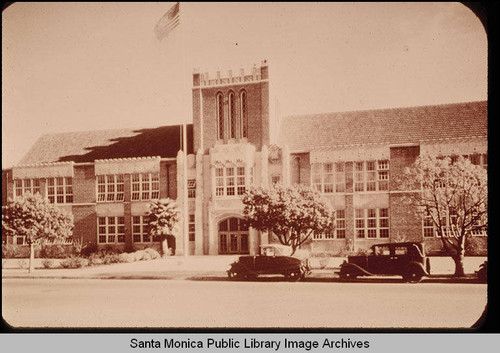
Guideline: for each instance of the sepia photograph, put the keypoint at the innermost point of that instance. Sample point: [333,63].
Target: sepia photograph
[281,165]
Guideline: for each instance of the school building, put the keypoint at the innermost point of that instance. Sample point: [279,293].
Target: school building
[107,178]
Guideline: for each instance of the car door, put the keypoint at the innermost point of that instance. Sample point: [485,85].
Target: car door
[380,261]
[399,259]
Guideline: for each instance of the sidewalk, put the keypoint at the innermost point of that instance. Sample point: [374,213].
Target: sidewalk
[199,267]
[165,268]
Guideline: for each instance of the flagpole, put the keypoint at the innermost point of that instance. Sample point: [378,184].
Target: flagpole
[184,145]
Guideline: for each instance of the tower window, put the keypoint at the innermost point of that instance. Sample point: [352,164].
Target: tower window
[232,116]
[243,114]
[220,116]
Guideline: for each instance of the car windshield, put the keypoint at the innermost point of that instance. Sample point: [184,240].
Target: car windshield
[267,251]
[381,250]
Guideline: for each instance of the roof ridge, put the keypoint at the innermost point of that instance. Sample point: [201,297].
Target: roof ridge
[385,109]
[109,130]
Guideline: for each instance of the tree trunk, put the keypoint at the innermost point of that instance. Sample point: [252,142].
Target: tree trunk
[31,267]
[164,247]
[459,265]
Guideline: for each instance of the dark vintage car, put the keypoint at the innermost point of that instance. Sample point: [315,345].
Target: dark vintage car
[404,259]
[272,260]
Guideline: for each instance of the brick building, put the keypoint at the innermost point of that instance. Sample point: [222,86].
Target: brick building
[106,178]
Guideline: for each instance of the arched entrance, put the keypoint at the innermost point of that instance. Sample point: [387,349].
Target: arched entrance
[233,236]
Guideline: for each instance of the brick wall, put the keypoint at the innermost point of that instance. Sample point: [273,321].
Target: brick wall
[84,184]
[7,185]
[85,223]
[406,224]
[257,114]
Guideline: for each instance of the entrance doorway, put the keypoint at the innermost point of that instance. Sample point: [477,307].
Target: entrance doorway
[233,236]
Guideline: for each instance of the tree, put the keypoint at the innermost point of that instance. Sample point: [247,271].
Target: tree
[35,218]
[163,217]
[454,197]
[291,213]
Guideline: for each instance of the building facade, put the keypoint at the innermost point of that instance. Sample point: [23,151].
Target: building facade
[107,178]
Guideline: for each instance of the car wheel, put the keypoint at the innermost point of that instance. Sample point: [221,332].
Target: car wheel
[292,276]
[346,276]
[412,275]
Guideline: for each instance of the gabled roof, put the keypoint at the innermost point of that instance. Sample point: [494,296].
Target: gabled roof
[88,146]
[386,126]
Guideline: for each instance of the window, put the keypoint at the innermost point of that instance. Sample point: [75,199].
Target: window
[428,227]
[337,232]
[110,188]
[275,179]
[449,227]
[111,230]
[25,186]
[191,229]
[327,177]
[60,190]
[220,116]
[479,159]
[340,224]
[145,186]
[372,223]
[232,116]
[20,240]
[371,175]
[191,188]
[243,114]
[230,181]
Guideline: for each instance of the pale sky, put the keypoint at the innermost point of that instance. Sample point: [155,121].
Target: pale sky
[92,66]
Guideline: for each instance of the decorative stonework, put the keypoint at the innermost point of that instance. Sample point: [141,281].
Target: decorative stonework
[274,154]
[127,165]
[351,153]
[236,154]
[43,170]
[453,147]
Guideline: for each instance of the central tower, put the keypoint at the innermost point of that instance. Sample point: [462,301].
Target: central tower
[232,109]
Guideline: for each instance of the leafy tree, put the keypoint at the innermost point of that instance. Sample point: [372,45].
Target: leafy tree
[163,217]
[291,213]
[454,195]
[36,219]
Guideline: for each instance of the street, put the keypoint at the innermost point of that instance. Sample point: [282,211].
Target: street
[219,303]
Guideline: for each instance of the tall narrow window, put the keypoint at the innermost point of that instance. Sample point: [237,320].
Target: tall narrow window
[220,116]
[232,116]
[243,114]
[192,234]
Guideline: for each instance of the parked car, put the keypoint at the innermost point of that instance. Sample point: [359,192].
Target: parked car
[405,259]
[272,260]
[482,273]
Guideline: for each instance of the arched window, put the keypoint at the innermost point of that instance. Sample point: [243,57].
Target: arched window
[220,116]
[232,116]
[243,114]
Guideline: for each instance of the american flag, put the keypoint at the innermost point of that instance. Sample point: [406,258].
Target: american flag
[168,22]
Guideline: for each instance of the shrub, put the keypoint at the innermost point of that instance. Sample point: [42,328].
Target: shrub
[110,258]
[95,259]
[56,251]
[88,249]
[74,262]
[139,255]
[126,257]
[47,263]
[152,253]
[13,251]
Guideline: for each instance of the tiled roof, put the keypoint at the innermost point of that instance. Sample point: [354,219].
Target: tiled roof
[107,144]
[387,126]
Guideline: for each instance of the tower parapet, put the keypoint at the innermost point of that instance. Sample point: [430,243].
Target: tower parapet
[257,74]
